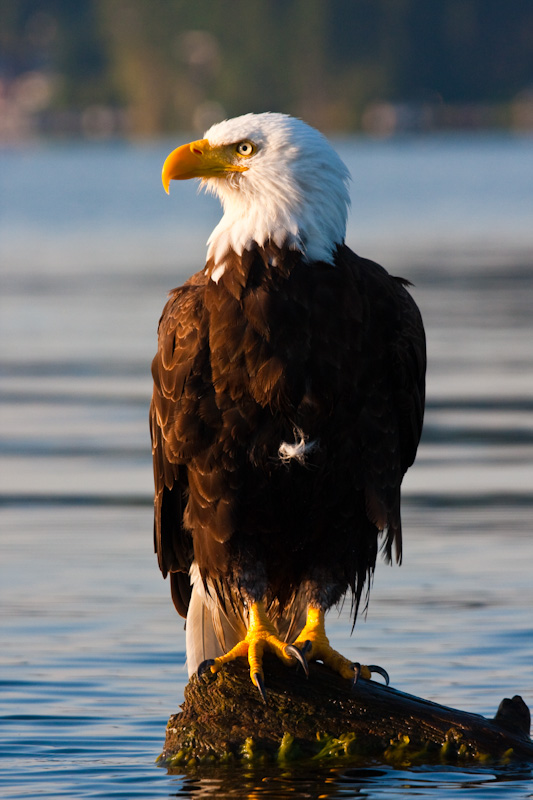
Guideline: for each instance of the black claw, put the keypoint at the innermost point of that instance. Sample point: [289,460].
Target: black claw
[259,682]
[204,666]
[380,671]
[293,651]
[308,645]
[356,673]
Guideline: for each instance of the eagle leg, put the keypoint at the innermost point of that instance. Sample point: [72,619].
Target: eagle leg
[261,636]
[314,643]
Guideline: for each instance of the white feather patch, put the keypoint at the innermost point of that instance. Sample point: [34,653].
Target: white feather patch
[218,272]
[298,450]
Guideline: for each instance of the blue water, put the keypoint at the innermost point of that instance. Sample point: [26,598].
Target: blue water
[91,650]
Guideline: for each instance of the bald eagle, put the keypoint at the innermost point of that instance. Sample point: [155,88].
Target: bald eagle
[287,405]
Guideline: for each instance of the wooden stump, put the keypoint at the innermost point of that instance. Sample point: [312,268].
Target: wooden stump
[224,719]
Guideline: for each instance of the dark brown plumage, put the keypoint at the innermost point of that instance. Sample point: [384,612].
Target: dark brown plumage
[277,349]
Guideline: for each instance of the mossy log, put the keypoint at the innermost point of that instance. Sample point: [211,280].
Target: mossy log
[224,719]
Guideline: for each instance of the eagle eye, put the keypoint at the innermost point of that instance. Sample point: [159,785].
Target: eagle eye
[246,149]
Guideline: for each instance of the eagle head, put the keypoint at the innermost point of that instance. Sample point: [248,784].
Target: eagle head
[278,179]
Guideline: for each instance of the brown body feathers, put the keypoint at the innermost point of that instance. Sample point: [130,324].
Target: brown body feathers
[328,359]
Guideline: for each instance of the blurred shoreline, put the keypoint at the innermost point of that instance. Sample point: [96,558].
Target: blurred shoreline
[22,124]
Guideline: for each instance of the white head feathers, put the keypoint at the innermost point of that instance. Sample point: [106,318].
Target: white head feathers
[294,190]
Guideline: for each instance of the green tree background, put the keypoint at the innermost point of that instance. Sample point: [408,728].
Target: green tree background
[168,64]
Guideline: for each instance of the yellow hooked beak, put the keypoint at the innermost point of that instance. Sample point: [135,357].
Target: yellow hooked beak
[199,160]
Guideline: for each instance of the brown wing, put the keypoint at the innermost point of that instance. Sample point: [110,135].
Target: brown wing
[408,359]
[178,371]
[393,386]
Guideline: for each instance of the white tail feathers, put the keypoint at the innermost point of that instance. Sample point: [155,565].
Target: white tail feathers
[210,630]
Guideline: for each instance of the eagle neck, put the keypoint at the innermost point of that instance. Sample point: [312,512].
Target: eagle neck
[243,270]
[280,222]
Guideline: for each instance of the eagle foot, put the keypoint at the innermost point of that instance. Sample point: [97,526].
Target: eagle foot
[314,645]
[261,636]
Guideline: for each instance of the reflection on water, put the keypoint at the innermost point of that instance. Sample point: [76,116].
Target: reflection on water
[92,651]
[371,782]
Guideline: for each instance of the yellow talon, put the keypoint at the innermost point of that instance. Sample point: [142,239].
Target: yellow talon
[261,636]
[315,643]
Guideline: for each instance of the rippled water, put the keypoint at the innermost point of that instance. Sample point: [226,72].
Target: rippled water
[91,650]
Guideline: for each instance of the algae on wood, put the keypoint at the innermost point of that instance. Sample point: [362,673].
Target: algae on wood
[224,719]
